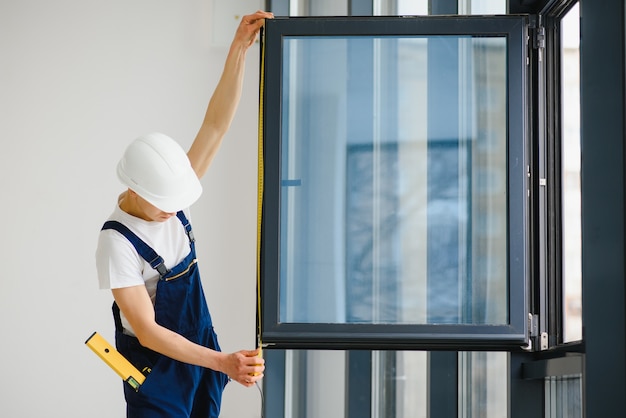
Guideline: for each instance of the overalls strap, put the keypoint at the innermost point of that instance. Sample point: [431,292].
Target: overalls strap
[146,252]
[143,249]
[183,219]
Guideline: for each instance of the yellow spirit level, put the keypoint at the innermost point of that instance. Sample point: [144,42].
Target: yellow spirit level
[129,373]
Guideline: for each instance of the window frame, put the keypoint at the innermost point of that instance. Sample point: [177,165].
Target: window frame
[346,336]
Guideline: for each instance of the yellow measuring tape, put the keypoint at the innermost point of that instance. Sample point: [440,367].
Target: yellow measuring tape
[259,218]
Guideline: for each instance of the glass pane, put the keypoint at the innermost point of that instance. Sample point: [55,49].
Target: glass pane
[318,8]
[315,382]
[564,397]
[481,389]
[391,384]
[400,389]
[394,180]
[420,7]
[400,384]
[411,7]
[572,268]
[482,7]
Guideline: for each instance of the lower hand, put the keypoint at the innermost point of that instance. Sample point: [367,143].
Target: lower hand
[244,367]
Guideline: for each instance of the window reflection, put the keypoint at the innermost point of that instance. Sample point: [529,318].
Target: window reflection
[391,384]
[482,392]
[394,173]
[571,209]
[564,398]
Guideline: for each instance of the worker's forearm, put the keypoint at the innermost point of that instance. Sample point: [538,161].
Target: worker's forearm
[223,103]
[220,111]
[179,348]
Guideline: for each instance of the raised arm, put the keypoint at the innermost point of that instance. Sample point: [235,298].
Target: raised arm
[223,103]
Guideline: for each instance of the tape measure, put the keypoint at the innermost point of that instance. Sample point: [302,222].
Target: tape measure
[260,174]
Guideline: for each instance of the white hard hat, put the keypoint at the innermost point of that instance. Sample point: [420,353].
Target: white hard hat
[156,168]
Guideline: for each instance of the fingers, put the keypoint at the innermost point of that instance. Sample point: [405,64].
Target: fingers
[250,26]
[258,359]
[255,20]
[246,367]
[260,14]
[251,353]
[257,364]
[251,380]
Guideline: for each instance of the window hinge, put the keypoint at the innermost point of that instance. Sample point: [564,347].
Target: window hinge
[537,32]
[539,37]
[540,338]
[533,325]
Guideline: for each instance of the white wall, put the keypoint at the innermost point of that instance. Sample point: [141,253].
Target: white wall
[79,79]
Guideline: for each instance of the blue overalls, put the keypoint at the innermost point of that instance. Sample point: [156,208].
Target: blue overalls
[172,388]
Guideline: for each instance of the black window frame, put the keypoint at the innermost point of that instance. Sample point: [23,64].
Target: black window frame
[346,336]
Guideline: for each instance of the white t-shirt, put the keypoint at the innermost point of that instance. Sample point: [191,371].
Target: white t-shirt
[118,263]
